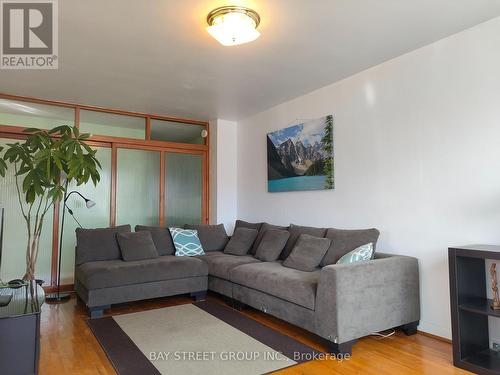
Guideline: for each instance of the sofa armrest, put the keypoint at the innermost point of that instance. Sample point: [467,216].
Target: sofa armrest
[355,300]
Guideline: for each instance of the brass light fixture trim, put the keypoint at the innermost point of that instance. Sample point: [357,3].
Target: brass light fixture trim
[233,9]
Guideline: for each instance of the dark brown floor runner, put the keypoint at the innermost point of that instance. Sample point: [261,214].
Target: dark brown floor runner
[288,346]
[126,357]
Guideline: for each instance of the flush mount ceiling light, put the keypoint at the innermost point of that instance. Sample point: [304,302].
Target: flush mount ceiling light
[233,25]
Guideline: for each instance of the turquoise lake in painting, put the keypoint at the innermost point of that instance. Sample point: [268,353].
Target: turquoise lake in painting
[296,184]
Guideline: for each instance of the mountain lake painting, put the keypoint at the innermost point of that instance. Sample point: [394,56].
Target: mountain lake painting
[300,157]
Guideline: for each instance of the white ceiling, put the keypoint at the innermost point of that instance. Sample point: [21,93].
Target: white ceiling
[155,55]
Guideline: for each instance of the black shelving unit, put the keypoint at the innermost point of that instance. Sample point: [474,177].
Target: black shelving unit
[470,308]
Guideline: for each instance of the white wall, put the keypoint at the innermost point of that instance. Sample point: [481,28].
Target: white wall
[223,183]
[417,155]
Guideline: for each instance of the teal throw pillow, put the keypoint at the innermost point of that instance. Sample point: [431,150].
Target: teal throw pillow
[186,242]
[359,254]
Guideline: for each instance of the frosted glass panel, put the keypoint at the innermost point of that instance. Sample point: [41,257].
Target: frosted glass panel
[183,189]
[101,123]
[138,187]
[176,132]
[15,235]
[32,115]
[95,217]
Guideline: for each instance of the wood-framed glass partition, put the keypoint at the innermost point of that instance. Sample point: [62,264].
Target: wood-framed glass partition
[154,172]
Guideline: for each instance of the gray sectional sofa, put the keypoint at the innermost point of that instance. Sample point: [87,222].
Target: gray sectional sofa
[338,302]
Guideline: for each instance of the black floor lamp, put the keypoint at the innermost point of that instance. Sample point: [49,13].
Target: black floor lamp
[58,296]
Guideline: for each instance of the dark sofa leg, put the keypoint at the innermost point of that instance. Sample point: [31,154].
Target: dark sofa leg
[410,328]
[237,305]
[344,348]
[199,296]
[97,311]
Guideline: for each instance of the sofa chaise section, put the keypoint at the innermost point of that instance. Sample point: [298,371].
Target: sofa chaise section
[113,273]
[103,278]
[340,302]
[103,283]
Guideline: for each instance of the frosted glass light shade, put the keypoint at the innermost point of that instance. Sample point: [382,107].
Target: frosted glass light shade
[233,28]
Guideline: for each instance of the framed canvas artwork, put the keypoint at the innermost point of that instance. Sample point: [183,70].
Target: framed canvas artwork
[300,157]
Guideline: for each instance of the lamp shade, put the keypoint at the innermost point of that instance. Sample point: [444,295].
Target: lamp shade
[89,203]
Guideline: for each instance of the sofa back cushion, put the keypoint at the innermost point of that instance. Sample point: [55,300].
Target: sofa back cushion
[344,241]
[161,238]
[241,242]
[212,237]
[246,224]
[136,245]
[98,244]
[295,232]
[271,245]
[264,227]
[307,253]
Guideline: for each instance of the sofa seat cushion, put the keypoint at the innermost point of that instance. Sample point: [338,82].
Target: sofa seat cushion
[112,273]
[221,265]
[289,284]
[209,254]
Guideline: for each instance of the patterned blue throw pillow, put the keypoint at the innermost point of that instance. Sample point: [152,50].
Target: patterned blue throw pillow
[359,254]
[186,242]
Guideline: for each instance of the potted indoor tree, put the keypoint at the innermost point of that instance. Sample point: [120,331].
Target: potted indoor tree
[45,163]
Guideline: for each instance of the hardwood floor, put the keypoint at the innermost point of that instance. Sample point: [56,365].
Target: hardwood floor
[69,347]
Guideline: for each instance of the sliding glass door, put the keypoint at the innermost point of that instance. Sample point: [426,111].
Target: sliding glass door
[152,191]
[137,187]
[183,189]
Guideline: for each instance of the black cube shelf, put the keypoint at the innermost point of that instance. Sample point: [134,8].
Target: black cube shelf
[470,308]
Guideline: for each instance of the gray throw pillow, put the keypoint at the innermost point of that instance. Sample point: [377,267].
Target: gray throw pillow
[212,237]
[272,244]
[241,241]
[295,232]
[161,237]
[307,253]
[98,244]
[264,227]
[137,246]
[344,241]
